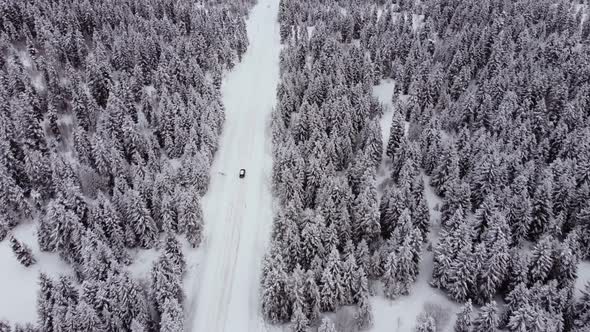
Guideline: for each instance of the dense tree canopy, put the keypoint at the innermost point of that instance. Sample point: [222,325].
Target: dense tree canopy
[494,96]
[109,118]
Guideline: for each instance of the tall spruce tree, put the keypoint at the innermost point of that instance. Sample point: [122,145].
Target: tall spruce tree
[23,253]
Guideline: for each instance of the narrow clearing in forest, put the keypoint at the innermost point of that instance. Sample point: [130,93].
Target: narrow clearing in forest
[238,212]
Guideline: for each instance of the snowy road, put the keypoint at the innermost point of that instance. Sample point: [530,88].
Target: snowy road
[237,212]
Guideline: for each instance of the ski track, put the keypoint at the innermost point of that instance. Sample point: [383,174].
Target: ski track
[238,212]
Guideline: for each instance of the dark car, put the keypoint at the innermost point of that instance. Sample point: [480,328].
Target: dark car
[242,173]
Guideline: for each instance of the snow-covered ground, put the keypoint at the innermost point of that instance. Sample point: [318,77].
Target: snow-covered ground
[583,277]
[238,212]
[383,93]
[19,284]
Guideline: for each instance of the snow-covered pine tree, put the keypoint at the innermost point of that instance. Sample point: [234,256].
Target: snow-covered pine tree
[462,273]
[399,156]
[389,278]
[408,261]
[542,211]
[312,296]
[374,144]
[582,310]
[317,267]
[115,319]
[364,314]
[291,242]
[519,269]
[23,253]
[167,213]
[172,319]
[136,326]
[276,306]
[430,146]
[105,215]
[529,318]
[517,298]
[327,325]
[565,268]
[362,255]
[464,318]
[392,205]
[296,288]
[409,173]
[484,215]
[3,229]
[447,171]
[25,328]
[541,262]
[403,228]
[311,241]
[165,282]
[174,252]
[87,319]
[145,228]
[97,259]
[395,134]
[519,216]
[349,270]
[191,216]
[494,270]
[487,320]
[298,319]
[421,217]
[425,324]
[4,326]
[45,301]
[563,189]
[458,198]
[65,298]
[332,287]
[366,213]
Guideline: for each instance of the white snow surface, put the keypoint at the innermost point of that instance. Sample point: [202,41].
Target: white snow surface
[238,212]
[583,277]
[383,93]
[19,284]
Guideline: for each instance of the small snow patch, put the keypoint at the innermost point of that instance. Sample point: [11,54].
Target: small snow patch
[583,277]
[433,200]
[142,263]
[417,21]
[175,164]
[150,90]
[37,82]
[310,31]
[25,59]
[383,92]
